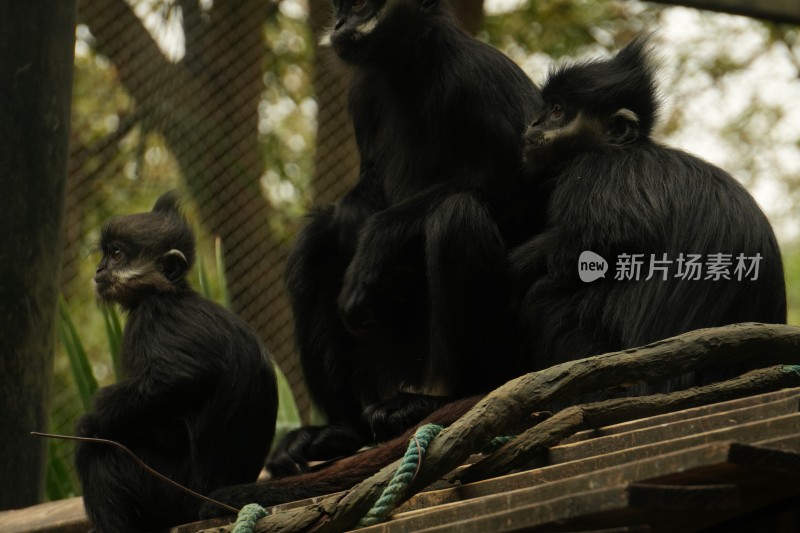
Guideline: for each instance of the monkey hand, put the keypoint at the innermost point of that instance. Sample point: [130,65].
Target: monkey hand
[115,406]
[312,443]
[392,417]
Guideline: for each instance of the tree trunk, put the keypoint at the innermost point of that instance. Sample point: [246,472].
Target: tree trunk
[206,107]
[36,56]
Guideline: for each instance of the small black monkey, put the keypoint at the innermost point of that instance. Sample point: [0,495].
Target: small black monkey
[400,291]
[615,191]
[198,400]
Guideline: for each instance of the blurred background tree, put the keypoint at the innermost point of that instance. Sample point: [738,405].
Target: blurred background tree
[235,104]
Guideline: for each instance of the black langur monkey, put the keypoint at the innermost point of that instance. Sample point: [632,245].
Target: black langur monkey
[614,191]
[199,399]
[400,290]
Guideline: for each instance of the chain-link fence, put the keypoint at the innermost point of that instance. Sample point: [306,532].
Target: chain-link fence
[232,104]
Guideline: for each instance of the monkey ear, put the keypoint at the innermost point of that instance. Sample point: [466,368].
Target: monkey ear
[624,128]
[167,203]
[174,264]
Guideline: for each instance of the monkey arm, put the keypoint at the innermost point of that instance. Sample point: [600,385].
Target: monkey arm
[352,211]
[384,240]
[161,393]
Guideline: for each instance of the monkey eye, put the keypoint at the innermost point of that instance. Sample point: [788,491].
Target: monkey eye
[556,111]
[357,3]
[116,255]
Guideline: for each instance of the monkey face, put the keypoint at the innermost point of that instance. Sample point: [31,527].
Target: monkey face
[368,30]
[562,131]
[550,129]
[125,277]
[144,254]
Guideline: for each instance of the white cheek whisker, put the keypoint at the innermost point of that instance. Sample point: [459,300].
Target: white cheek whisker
[325,39]
[369,26]
[122,276]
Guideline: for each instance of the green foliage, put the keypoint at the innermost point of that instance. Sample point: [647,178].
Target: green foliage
[288,414]
[79,362]
[287,117]
[559,28]
[61,481]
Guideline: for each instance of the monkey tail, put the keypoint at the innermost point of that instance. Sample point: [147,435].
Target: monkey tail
[336,476]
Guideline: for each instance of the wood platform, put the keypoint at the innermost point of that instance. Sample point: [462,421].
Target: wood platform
[732,467]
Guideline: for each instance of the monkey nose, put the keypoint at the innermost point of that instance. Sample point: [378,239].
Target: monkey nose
[339,23]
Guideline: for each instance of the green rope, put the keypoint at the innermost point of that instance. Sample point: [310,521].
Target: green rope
[795,369]
[248,516]
[497,442]
[412,460]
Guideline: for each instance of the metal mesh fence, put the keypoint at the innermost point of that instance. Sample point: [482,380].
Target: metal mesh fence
[232,104]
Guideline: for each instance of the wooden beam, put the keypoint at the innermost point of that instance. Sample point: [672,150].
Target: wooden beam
[781,11]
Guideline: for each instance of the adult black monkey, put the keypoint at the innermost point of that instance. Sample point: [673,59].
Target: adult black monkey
[199,398]
[400,290]
[614,191]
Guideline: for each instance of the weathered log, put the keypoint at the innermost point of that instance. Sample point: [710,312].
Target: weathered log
[495,414]
[537,439]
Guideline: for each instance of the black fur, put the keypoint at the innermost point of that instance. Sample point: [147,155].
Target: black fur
[616,191]
[198,401]
[610,190]
[335,476]
[400,291]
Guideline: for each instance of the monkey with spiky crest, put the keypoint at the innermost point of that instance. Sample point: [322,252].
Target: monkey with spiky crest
[594,104]
[613,190]
[198,400]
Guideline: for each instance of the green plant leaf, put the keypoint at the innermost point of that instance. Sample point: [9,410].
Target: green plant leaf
[60,483]
[78,361]
[288,414]
[219,258]
[202,279]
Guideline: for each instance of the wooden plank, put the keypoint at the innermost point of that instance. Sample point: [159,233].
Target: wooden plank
[789,443]
[62,516]
[600,503]
[671,431]
[532,498]
[196,527]
[766,459]
[638,528]
[686,414]
[761,430]
[524,517]
[684,497]
[788,394]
